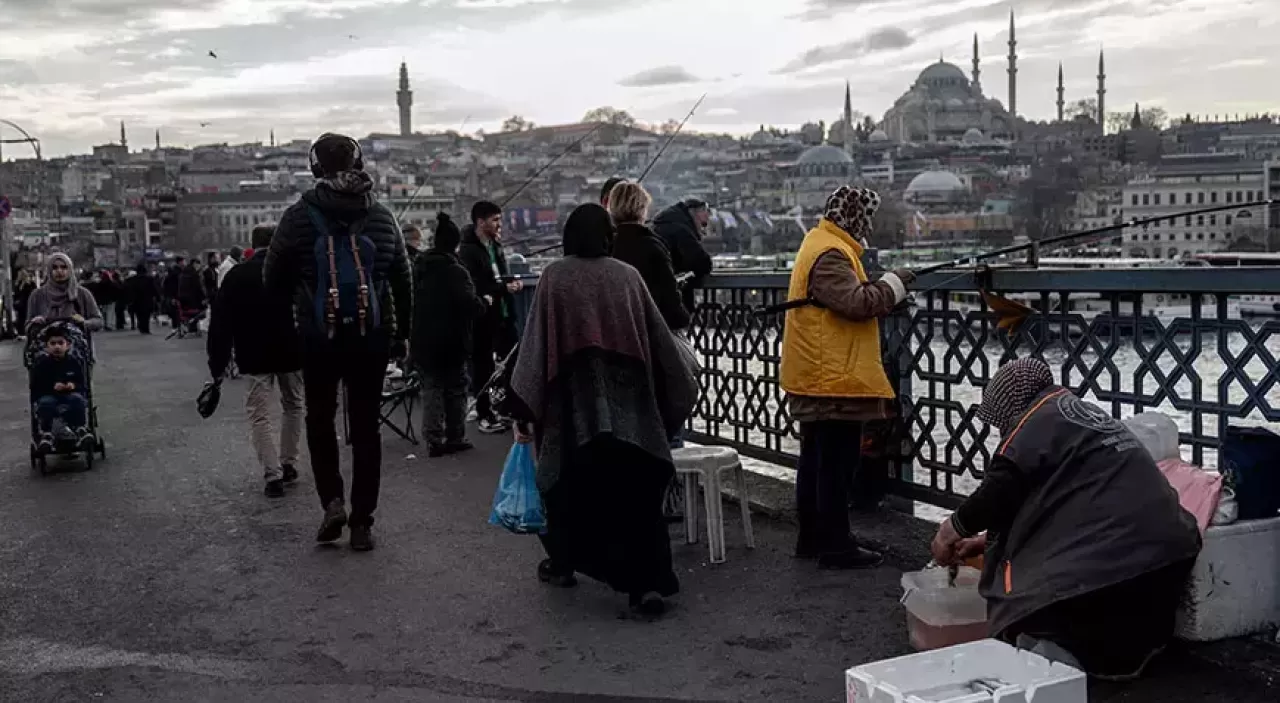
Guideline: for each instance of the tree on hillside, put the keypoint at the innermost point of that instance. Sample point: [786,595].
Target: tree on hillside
[1043,201]
[1152,118]
[669,127]
[516,123]
[610,115]
[1087,107]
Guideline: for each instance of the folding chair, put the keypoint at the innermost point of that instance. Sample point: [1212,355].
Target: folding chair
[400,392]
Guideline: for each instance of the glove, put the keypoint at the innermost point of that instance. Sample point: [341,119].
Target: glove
[906,276]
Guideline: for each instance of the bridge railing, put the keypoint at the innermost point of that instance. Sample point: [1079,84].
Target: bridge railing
[1173,340]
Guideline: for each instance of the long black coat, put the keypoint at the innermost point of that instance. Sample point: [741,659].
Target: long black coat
[290,266]
[258,324]
[445,309]
[637,245]
[142,293]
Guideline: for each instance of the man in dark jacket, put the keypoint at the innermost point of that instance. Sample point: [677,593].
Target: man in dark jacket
[259,326]
[445,308]
[495,332]
[681,226]
[342,347]
[191,294]
[172,276]
[143,294]
[413,242]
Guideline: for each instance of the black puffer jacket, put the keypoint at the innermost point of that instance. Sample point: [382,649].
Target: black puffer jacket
[290,266]
[445,309]
[475,257]
[637,245]
[676,228]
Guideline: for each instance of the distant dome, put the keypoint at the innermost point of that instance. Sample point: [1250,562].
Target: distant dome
[823,154]
[942,72]
[973,135]
[878,136]
[935,182]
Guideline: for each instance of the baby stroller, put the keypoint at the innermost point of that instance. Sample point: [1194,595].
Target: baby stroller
[64,444]
[188,322]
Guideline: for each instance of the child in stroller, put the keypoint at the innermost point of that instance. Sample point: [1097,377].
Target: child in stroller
[60,361]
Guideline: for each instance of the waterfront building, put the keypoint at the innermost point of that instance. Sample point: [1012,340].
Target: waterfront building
[1186,183]
[221,220]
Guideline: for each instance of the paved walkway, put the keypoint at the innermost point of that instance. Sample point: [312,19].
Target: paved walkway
[165,575]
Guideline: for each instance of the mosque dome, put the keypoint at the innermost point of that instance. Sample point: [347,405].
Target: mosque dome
[823,154]
[935,183]
[942,72]
[878,136]
[973,135]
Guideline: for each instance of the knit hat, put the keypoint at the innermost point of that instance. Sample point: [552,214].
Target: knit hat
[1012,390]
[448,236]
[851,209]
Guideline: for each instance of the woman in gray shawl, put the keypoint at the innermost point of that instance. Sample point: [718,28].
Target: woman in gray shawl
[62,298]
[603,386]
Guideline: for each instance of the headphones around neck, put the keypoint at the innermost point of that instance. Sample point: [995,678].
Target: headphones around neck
[317,170]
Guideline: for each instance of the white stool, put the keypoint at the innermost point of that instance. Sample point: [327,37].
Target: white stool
[709,463]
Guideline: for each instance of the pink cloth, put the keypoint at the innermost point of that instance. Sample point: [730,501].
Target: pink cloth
[1198,491]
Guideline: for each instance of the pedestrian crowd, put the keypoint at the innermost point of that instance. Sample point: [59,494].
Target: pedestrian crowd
[1085,545]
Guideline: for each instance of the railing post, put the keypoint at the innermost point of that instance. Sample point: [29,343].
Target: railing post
[898,357]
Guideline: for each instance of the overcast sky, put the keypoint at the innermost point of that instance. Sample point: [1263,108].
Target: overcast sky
[70,70]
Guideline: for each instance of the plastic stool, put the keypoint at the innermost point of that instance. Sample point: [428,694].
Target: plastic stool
[709,463]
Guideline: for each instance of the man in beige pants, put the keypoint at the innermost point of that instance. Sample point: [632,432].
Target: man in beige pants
[261,330]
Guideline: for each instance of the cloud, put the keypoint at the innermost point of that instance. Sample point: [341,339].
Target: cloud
[825,9]
[662,75]
[16,73]
[881,40]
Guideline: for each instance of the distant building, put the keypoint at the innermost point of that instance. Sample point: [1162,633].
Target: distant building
[222,220]
[1188,183]
[819,171]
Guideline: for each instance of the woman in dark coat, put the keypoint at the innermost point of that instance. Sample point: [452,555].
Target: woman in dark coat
[602,385]
[144,294]
[637,245]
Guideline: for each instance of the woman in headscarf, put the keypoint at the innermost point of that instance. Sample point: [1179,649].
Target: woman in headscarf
[637,245]
[833,373]
[1087,550]
[602,384]
[62,298]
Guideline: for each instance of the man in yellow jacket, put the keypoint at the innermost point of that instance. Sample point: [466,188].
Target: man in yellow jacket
[833,373]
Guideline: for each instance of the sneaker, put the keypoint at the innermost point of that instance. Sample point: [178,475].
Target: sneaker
[493,426]
[290,473]
[84,439]
[459,446]
[335,518]
[45,444]
[648,605]
[361,538]
[855,558]
[274,489]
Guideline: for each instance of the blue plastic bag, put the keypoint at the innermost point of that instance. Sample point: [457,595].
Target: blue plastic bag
[517,505]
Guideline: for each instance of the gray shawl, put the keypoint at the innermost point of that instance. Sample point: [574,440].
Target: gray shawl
[54,301]
[597,359]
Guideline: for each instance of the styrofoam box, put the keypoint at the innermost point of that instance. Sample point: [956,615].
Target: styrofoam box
[1235,587]
[975,672]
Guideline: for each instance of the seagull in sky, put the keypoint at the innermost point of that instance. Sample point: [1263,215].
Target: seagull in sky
[213,54]
[204,124]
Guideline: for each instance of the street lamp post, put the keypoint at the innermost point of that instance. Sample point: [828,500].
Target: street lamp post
[6,279]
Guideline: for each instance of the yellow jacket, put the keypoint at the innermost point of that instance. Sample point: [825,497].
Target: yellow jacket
[825,355]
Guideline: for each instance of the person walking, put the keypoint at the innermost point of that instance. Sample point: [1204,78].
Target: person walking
[23,286]
[833,373]
[495,333]
[144,295]
[234,256]
[171,283]
[602,385]
[341,255]
[445,309]
[258,324]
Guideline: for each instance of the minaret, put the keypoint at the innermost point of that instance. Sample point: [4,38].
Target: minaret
[157,140]
[124,140]
[404,98]
[273,138]
[1102,92]
[1013,69]
[848,119]
[977,73]
[1136,121]
[1061,101]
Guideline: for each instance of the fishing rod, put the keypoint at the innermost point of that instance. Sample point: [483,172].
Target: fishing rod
[647,169]
[576,143]
[670,139]
[1049,242]
[440,154]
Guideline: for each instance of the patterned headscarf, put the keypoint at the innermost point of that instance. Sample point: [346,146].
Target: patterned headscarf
[851,209]
[1011,391]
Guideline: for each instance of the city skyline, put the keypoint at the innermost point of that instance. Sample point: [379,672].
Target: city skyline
[300,67]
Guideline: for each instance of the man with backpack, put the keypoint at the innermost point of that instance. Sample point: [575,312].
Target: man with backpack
[495,332]
[341,255]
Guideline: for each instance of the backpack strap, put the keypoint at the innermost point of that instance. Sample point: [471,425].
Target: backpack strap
[332,301]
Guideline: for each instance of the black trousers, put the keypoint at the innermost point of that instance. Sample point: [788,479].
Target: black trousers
[143,318]
[360,363]
[489,344]
[122,312]
[829,451]
[444,407]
